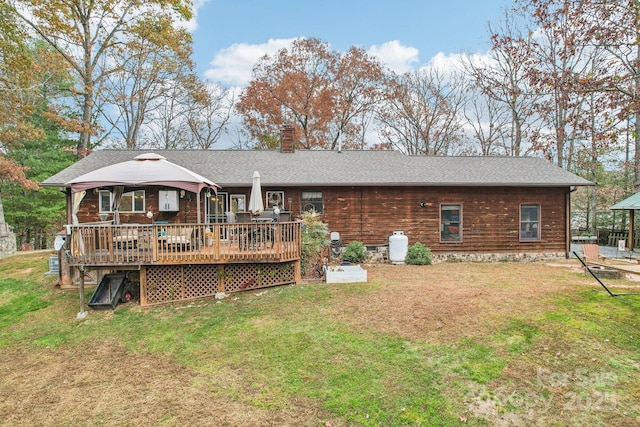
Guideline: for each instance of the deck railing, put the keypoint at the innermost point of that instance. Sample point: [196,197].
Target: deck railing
[139,244]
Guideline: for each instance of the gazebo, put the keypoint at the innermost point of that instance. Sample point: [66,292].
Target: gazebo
[144,170]
[631,203]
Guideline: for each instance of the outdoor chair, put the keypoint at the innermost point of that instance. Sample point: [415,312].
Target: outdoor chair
[591,253]
[127,237]
[285,217]
[243,217]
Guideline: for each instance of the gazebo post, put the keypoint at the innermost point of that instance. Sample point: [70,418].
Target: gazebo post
[631,225]
[198,205]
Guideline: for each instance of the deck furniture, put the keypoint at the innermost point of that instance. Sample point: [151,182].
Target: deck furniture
[179,236]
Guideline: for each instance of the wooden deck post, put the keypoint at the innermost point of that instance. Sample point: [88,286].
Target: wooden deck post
[143,286]
[221,278]
[65,269]
[82,313]
[298,271]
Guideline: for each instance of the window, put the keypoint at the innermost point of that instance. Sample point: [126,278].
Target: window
[275,198]
[238,202]
[312,201]
[105,201]
[451,223]
[133,201]
[529,222]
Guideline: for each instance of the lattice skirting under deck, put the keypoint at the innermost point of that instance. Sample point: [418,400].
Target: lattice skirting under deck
[171,283]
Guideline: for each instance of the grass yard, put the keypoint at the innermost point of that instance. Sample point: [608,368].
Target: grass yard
[506,344]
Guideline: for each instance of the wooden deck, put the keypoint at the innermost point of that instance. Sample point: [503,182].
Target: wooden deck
[96,245]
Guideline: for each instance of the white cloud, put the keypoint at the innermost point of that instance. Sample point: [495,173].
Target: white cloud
[397,57]
[452,63]
[232,66]
[192,24]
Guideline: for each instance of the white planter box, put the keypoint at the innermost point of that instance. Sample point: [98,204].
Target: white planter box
[346,274]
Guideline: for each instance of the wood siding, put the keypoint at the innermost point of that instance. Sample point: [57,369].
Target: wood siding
[490,215]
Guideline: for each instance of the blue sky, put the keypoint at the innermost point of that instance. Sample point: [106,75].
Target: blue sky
[230,35]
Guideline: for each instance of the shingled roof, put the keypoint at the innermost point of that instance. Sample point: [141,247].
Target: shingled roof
[234,168]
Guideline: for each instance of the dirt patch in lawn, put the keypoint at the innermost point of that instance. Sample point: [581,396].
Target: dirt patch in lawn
[104,384]
[449,301]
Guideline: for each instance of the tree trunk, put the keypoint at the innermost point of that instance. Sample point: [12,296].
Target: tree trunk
[636,157]
[4,229]
[88,83]
[636,119]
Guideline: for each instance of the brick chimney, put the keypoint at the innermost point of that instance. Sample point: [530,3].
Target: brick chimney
[287,139]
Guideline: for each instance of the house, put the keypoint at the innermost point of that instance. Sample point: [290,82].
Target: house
[484,207]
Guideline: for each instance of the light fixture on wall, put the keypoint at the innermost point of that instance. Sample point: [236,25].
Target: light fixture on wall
[423,204]
[182,193]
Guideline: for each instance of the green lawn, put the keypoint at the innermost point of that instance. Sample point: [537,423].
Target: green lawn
[369,354]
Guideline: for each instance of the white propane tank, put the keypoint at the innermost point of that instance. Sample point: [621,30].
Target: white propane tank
[398,246]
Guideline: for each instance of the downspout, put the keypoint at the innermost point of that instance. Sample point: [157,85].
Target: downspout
[567,223]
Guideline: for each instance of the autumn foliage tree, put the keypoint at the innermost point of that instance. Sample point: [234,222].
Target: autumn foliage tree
[25,70]
[326,96]
[32,76]
[583,64]
[86,34]
[557,66]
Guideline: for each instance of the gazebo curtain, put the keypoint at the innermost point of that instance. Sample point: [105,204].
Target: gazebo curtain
[118,191]
[78,241]
[77,199]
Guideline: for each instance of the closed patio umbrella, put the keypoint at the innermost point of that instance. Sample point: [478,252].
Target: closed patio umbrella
[256,205]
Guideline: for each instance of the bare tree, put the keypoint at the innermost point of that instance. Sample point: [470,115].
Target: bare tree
[615,28]
[169,128]
[557,63]
[149,65]
[209,115]
[422,112]
[487,124]
[502,79]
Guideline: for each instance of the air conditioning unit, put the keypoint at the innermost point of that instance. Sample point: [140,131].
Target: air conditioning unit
[168,201]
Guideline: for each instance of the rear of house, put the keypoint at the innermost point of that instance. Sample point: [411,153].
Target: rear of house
[457,206]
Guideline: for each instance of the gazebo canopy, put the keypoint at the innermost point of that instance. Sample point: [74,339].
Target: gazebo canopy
[631,202]
[143,170]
